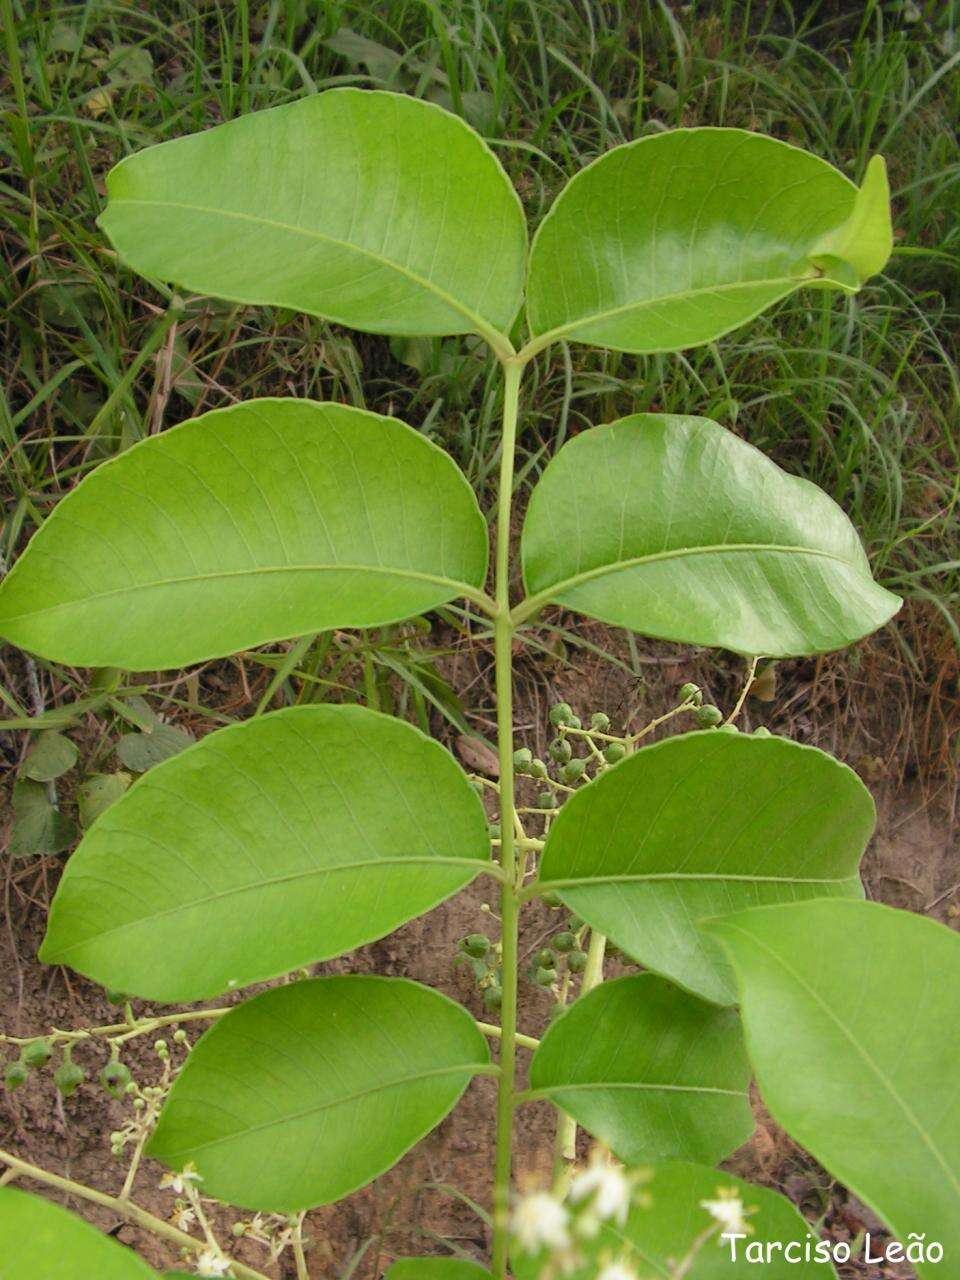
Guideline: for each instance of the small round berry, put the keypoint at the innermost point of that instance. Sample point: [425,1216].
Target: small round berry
[37,1053]
[560,713]
[565,941]
[560,750]
[546,800]
[546,959]
[577,961]
[15,1074]
[115,1077]
[493,997]
[614,752]
[690,692]
[522,759]
[600,721]
[476,944]
[573,770]
[67,1077]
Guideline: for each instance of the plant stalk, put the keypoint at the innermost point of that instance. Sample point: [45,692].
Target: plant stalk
[126,1209]
[509,903]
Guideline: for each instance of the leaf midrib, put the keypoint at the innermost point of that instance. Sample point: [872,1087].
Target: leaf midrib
[458,587]
[532,603]
[638,304]
[873,1066]
[484,327]
[481,863]
[545,1091]
[466,1068]
[576,882]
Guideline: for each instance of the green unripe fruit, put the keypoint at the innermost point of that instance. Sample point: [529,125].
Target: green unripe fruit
[573,770]
[537,769]
[600,720]
[691,693]
[577,961]
[492,997]
[493,830]
[115,1077]
[67,1077]
[564,941]
[37,1053]
[728,728]
[15,1075]
[708,716]
[476,944]
[546,959]
[614,752]
[574,723]
[522,759]
[561,713]
[546,977]
[576,924]
[546,800]
[560,750]
[761,732]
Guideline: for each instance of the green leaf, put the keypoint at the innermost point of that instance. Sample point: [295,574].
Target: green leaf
[852,1015]
[41,1241]
[653,1072]
[675,239]
[268,845]
[309,1091]
[673,527]
[665,1227]
[699,825]
[38,826]
[98,792]
[436,1269]
[141,751]
[50,756]
[242,527]
[373,209]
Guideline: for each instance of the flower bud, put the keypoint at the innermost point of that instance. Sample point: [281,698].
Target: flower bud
[708,716]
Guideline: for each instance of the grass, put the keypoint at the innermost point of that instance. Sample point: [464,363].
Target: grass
[860,394]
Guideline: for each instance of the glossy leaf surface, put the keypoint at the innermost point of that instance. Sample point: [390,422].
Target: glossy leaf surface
[436,1269]
[41,1241]
[373,209]
[309,1091]
[852,1014]
[650,1070]
[268,845]
[699,825]
[656,1236]
[674,527]
[673,240]
[241,527]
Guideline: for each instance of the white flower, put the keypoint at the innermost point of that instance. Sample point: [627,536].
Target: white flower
[540,1221]
[727,1209]
[617,1271]
[179,1182]
[212,1263]
[609,1188]
[183,1217]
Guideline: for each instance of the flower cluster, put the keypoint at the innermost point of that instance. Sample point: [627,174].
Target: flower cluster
[557,1224]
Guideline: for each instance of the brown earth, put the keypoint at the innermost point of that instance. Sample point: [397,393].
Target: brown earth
[894,730]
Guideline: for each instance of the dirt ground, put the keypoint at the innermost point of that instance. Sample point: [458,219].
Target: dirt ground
[894,730]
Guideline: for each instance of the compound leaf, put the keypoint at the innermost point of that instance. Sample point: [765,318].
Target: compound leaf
[653,1072]
[852,1016]
[266,846]
[667,1223]
[699,825]
[241,527]
[675,239]
[373,209]
[41,1241]
[674,527]
[341,1075]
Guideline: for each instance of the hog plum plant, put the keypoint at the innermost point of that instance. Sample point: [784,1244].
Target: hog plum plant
[725,864]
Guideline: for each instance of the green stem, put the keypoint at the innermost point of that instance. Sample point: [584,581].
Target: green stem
[566,1125]
[509,903]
